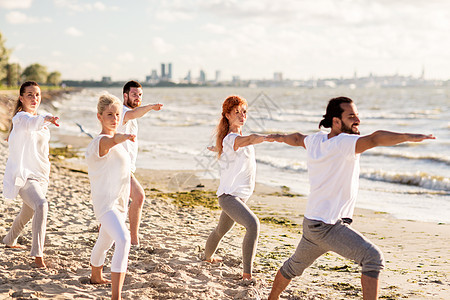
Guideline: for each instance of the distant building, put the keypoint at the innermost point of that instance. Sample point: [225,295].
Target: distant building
[169,75]
[106,79]
[236,80]
[154,75]
[202,78]
[217,79]
[278,76]
[163,71]
[188,77]
[153,78]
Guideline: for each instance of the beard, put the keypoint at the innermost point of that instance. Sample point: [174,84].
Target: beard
[349,130]
[133,104]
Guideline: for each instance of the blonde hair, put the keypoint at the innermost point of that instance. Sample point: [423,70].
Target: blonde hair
[106,100]
[224,126]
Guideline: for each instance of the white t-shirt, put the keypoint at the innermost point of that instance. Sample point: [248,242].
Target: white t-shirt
[109,176]
[333,168]
[28,153]
[131,127]
[237,169]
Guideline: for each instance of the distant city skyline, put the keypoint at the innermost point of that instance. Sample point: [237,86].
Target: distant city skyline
[249,39]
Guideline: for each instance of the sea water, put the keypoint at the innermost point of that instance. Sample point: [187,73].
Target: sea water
[409,181]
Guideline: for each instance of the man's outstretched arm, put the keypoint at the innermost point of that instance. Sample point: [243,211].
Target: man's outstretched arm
[388,138]
[293,139]
[140,111]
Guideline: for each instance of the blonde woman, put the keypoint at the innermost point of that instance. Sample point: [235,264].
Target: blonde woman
[109,174]
[237,181]
[28,168]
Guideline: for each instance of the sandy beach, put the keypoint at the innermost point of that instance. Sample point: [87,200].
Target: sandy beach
[169,265]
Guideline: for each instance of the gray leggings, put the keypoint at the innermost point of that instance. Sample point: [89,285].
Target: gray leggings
[319,238]
[235,211]
[34,206]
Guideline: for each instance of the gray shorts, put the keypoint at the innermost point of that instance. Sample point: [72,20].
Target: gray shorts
[319,238]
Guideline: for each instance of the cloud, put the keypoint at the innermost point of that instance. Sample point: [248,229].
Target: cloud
[99,6]
[74,5]
[72,31]
[125,57]
[161,46]
[17,17]
[89,66]
[215,29]
[172,16]
[15,4]
[19,47]
[14,59]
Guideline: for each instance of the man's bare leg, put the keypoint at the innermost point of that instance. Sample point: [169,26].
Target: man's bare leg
[97,276]
[137,196]
[369,287]
[279,285]
[117,284]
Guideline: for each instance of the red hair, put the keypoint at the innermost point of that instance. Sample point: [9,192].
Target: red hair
[224,126]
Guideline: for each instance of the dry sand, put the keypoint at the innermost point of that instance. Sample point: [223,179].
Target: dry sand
[168,264]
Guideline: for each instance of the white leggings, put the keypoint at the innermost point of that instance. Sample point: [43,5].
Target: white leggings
[34,206]
[113,230]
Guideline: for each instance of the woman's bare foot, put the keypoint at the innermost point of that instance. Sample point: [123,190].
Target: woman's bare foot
[39,262]
[97,276]
[100,281]
[214,260]
[16,246]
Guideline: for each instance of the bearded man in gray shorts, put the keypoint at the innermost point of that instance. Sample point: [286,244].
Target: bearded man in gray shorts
[333,168]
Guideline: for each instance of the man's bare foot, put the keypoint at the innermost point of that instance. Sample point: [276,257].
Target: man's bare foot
[134,241]
[38,263]
[16,246]
[246,276]
[214,260]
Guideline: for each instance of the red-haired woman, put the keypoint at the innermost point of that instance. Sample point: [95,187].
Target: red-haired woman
[237,181]
[28,168]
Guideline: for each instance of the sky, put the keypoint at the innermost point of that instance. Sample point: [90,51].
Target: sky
[252,39]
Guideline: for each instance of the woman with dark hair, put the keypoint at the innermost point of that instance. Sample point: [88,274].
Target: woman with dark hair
[28,168]
[237,181]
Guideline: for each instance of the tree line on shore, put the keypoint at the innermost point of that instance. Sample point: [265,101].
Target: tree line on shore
[11,74]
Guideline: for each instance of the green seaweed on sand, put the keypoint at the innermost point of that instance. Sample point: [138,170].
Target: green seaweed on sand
[193,198]
[393,296]
[60,153]
[279,221]
[286,192]
[340,268]
[343,286]
[271,260]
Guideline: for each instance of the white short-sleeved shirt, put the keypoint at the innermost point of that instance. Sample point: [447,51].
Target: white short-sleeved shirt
[109,176]
[28,153]
[237,169]
[131,127]
[333,168]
